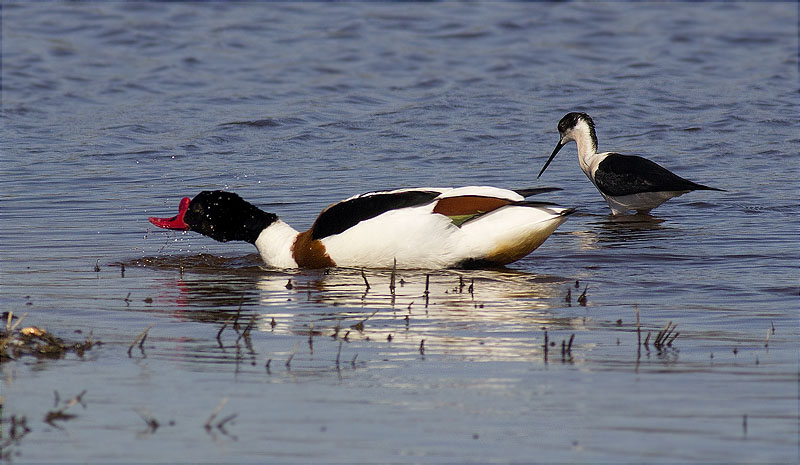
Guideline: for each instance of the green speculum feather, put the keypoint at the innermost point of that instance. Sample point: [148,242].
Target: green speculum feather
[458,220]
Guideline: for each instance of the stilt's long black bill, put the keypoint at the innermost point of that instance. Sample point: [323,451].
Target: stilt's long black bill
[553,155]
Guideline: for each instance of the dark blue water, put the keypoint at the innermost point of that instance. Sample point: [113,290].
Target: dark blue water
[111,112]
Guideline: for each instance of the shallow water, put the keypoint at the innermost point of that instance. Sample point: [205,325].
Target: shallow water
[112,112]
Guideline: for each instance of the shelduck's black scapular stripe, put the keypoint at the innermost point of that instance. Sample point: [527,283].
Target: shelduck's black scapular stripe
[342,216]
[629,174]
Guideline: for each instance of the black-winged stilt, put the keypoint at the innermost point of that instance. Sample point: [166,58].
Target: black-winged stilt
[627,182]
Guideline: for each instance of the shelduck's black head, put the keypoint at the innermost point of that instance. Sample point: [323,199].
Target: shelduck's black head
[220,215]
[566,127]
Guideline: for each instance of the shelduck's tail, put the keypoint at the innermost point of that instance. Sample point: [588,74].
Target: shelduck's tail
[508,234]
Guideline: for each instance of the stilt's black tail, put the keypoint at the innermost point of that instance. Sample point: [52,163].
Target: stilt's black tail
[700,187]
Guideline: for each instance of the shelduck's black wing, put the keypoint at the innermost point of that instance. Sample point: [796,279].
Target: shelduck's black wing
[343,215]
[535,191]
[629,174]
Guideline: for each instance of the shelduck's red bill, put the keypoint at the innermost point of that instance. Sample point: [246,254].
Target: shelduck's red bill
[176,222]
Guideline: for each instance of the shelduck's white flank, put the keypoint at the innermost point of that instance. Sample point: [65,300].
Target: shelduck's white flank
[419,228]
[627,182]
[418,238]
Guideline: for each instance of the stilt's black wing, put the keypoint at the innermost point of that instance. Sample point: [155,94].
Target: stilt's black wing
[343,215]
[628,174]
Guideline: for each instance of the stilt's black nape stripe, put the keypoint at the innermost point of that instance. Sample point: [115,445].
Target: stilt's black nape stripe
[224,216]
[342,216]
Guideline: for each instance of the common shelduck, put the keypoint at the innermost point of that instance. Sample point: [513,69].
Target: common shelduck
[465,227]
[627,182]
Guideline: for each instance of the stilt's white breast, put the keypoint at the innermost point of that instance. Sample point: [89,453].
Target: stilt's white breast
[642,202]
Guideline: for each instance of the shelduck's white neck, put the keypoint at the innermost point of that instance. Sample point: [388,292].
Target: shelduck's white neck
[275,245]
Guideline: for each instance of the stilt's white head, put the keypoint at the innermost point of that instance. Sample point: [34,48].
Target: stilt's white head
[573,126]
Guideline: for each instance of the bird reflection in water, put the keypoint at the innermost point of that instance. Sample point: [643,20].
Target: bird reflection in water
[214,288]
[623,230]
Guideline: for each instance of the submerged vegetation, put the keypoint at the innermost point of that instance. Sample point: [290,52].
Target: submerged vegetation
[17,341]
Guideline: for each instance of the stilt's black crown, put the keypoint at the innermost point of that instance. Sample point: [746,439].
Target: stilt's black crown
[224,216]
[570,120]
